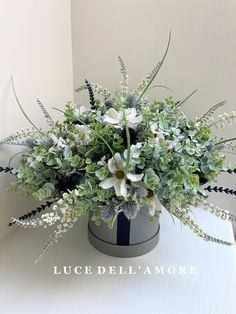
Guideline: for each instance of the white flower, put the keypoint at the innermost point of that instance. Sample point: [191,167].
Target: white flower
[159,134]
[60,142]
[153,202]
[50,218]
[84,133]
[116,166]
[80,110]
[117,118]
[135,151]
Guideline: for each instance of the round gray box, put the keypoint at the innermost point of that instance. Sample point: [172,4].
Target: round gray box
[143,236]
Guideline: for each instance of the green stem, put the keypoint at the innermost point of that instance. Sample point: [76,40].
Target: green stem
[163,86]
[158,69]
[12,157]
[215,123]
[185,99]
[21,108]
[226,140]
[228,152]
[128,143]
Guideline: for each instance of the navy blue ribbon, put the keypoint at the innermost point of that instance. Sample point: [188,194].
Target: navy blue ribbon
[123,230]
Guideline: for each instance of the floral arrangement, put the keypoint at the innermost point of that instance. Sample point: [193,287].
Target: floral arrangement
[123,153]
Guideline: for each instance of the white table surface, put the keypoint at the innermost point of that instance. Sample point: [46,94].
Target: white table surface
[28,288]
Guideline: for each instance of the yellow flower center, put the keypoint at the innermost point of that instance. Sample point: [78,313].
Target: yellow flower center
[120,174]
[150,194]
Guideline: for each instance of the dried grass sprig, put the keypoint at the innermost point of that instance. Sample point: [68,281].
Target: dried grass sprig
[104,92]
[91,95]
[147,81]
[215,210]
[45,113]
[67,222]
[230,146]
[5,169]
[220,189]
[31,223]
[211,111]
[18,138]
[223,120]
[124,72]
[33,212]
[123,68]
[230,171]
[188,221]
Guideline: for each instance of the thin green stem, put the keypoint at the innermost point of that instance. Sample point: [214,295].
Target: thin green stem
[21,108]
[12,157]
[185,99]
[228,152]
[58,110]
[128,143]
[226,140]
[157,70]
[163,86]
[215,123]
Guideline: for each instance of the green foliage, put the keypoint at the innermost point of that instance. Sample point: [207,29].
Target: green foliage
[173,156]
[151,180]
[102,173]
[45,192]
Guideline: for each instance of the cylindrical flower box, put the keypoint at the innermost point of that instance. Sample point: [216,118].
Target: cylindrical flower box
[127,238]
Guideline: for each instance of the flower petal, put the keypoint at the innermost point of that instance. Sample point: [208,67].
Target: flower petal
[134,177]
[112,116]
[108,183]
[154,128]
[111,165]
[130,113]
[117,187]
[137,119]
[119,161]
[80,110]
[123,189]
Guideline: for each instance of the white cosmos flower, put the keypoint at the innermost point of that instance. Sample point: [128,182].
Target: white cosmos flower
[116,166]
[79,110]
[117,119]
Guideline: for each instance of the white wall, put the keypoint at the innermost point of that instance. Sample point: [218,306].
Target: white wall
[202,53]
[35,41]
